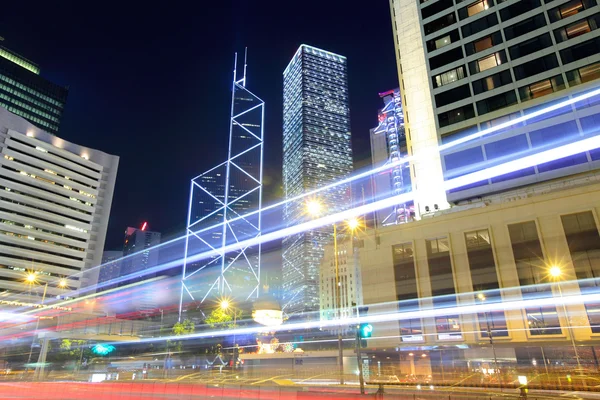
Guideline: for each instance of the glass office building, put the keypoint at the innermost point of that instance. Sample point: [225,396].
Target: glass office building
[316,151]
[25,93]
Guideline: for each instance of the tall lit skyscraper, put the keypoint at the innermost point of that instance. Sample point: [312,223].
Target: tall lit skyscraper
[316,151]
[225,209]
[25,93]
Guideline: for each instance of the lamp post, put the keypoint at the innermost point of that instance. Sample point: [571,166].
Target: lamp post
[556,273]
[482,298]
[314,208]
[225,306]
[31,279]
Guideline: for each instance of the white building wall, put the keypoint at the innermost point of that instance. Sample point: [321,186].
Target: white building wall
[55,200]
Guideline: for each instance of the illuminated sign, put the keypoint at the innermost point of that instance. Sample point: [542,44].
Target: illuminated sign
[268,317]
[34,305]
[103,350]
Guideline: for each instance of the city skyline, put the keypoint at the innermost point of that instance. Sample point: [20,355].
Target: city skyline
[448,243]
[128,85]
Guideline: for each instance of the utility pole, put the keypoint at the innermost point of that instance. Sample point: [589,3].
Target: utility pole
[339,303]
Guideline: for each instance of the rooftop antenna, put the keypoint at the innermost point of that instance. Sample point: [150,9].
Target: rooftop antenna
[234,68]
[245,58]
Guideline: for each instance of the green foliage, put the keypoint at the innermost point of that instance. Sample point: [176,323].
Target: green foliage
[69,350]
[183,328]
[186,327]
[219,317]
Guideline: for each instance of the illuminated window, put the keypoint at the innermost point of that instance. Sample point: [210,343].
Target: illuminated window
[571,8]
[577,29]
[543,321]
[488,62]
[450,76]
[444,41]
[476,8]
[483,44]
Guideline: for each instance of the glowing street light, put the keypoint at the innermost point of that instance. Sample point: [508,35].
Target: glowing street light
[314,207]
[62,283]
[31,277]
[224,305]
[353,224]
[555,272]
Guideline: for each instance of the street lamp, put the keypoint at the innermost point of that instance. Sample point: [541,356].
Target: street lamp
[556,273]
[314,208]
[482,298]
[225,305]
[31,278]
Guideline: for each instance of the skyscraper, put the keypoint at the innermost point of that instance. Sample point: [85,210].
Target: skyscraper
[139,252]
[54,206]
[316,151]
[469,67]
[25,93]
[388,145]
[225,209]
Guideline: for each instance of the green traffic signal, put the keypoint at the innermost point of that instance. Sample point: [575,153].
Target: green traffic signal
[366,330]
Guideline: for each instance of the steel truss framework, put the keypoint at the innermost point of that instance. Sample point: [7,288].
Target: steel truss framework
[230,197]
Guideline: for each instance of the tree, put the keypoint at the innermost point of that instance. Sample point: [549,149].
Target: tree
[219,318]
[186,327]
[183,328]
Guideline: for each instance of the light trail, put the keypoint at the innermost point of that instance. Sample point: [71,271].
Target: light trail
[390,317]
[544,111]
[498,170]
[455,183]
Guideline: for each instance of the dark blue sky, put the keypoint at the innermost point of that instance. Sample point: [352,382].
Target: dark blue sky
[152,83]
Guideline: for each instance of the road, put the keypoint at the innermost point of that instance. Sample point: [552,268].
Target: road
[227,389]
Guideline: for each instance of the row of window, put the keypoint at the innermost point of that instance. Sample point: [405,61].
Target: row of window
[30,117]
[555,14]
[27,89]
[523,71]
[583,240]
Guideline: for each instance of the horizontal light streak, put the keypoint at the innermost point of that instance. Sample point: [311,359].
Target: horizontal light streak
[498,170]
[392,317]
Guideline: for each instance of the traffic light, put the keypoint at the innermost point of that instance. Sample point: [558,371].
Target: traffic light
[364,331]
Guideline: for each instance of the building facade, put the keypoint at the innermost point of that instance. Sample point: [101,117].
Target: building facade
[388,145]
[316,151]
[140,252]
[485,68]
[54,208]
[349,275]
[111,266]
[25,93]
[497,253]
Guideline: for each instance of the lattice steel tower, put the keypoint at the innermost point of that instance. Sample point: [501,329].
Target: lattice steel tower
[225,209]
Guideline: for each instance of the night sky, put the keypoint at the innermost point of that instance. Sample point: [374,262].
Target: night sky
[152,84]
